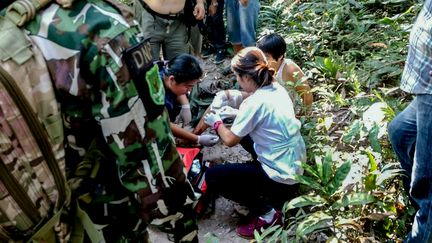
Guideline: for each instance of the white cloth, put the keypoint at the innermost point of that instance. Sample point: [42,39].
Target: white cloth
[268,117]
[281,68]
[291,91]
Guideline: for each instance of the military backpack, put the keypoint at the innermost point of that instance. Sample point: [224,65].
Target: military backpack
[33,188]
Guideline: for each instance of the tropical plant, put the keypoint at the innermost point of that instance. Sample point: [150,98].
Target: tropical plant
[337,209]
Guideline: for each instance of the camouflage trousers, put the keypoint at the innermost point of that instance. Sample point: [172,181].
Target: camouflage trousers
[124,218]
[171,208]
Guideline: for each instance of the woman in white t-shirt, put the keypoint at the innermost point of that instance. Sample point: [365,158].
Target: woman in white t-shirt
[266,116]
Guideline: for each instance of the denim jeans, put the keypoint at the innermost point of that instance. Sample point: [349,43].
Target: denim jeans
[216,28]
[411,136]
[242,22]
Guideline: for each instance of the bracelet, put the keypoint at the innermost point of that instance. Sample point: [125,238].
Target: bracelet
[216,125]
[215,4]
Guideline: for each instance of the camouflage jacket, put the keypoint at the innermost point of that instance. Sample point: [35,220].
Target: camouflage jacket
[84,48]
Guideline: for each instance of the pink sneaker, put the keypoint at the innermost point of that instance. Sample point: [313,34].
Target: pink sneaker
[247,230]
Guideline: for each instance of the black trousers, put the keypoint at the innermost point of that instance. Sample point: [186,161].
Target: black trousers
[249,185]
[216,27]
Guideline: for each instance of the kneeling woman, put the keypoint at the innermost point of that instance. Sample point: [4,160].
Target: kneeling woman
[179,75]
[266,118]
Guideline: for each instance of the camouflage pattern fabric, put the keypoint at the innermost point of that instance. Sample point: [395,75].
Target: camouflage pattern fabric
[20,155]
[84,47]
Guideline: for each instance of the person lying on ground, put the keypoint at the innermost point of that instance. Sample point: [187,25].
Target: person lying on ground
[179,76]
[266,126]
[289,74]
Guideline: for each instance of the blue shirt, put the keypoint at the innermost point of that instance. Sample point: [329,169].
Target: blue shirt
[416,78]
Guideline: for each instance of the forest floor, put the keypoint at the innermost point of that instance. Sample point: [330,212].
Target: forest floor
[220,224]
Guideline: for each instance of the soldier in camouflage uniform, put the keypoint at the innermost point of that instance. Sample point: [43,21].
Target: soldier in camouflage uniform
[120,153]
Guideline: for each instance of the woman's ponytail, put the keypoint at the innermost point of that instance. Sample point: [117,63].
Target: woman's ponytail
[252,61]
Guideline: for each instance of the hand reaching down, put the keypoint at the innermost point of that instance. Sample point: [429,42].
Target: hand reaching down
[185,114]
[208,140]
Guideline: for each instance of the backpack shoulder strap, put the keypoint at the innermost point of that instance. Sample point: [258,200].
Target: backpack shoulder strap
[22,11]
[37,130]
[13,43]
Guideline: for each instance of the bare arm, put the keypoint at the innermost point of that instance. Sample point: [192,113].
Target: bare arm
[292,72]
[201,126]
[179,132]
[199,11]
[182,100]
[305,92]
[228,138]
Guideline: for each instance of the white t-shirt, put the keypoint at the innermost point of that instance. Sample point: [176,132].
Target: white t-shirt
[268,117]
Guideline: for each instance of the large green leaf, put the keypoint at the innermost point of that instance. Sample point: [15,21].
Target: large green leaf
[373,138]
[319,169]
[276,235]
[340,175]
[313,222]
[273,231]
[353,130]
[309,169]
[303,201]
[388,174]
[353,199]
[370,179]
[283,237]
[308,181]
[327,168]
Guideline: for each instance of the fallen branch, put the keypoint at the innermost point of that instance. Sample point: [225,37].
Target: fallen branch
[342,121]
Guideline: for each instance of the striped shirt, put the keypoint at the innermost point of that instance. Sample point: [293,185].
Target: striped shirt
[416,78]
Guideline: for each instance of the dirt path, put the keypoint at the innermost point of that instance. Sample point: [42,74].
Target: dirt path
[222,222]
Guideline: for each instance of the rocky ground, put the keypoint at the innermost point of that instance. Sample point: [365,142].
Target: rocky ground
[220,225]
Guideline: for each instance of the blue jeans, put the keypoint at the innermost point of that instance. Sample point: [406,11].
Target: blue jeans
[411,136]
[242,22]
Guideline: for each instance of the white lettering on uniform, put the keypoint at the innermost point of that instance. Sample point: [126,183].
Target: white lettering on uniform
[141,56]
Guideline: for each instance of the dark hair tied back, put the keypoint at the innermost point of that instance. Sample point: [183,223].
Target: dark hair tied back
[252,61]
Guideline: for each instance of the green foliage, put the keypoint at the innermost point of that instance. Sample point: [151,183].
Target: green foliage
[327,66]
[327,198]
[373,34]
[336,208]
[353,53]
